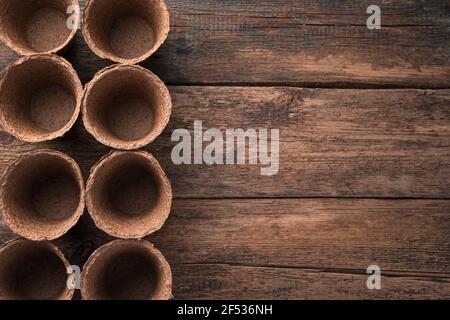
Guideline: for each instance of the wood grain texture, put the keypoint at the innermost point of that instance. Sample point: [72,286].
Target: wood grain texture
[296,248]
[350,234]
[240,282]
[334,143]
[317,43]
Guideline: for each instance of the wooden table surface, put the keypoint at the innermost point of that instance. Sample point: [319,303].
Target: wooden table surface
[364,119]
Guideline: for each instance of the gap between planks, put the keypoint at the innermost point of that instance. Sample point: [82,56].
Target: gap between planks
[430,276]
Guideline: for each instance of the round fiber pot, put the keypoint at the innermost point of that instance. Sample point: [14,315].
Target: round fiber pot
[36,26]
[40,98]
[126,270]
[41,196]
[126,107]
[33,271]
[125,31]
[128,195]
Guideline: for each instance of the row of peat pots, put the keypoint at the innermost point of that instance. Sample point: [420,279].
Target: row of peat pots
[125,107]
[124,31]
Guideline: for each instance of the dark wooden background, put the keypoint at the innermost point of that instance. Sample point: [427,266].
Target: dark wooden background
[364,118]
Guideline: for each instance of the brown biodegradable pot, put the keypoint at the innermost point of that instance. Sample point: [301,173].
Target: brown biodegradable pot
[128,195]
[40,98]
[126,107]
[36,26]
[125,31]
[33,271]
[126,270]
[41,196]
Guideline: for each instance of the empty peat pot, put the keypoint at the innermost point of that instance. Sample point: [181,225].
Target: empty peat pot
[125,31]
[41,196]
[126,270]
[128,195]
[36,26]
[126,107]
[33,271]
[40,98]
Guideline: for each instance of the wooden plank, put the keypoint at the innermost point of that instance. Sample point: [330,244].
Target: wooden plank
[240,249]
[325,43]
[349,234]
[239,282]
[333,143]
[395,12]
[306,42]
[295,248]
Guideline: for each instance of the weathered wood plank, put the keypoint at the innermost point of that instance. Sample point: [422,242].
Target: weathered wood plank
[326,12]
[333,143]
[306,42]
[409,236]
[240,282]
[397,235]
[299,42]
[296,248]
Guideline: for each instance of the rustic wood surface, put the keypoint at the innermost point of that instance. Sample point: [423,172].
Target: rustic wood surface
[334,143]
[364,119]
[295,248]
